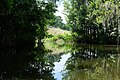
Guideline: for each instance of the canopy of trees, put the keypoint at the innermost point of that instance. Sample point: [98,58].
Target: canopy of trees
[94,21]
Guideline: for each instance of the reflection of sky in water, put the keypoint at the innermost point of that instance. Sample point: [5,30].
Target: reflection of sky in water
[59,66]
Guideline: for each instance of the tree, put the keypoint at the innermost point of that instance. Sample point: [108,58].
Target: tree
[22,23]
[57,22]
[93,20]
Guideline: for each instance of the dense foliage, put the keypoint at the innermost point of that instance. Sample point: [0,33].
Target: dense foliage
[94,21]
[22,24]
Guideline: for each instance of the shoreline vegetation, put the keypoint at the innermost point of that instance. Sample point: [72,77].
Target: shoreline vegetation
[56,42]
[25,41]
[94,21]
[61,37]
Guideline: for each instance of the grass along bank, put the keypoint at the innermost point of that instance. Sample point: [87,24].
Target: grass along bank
[58,40]
[59,36]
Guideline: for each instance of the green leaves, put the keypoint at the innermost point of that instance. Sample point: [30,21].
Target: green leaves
[90,19]
[23,24]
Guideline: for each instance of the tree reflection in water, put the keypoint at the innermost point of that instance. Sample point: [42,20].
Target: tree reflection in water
[22,63]
[93,63]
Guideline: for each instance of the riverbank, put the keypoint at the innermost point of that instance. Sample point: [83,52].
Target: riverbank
[58,40]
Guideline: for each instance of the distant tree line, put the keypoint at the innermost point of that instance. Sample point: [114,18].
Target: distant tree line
[94,21]
[57,22]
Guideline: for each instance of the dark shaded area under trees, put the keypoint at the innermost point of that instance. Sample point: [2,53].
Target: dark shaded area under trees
[22,23]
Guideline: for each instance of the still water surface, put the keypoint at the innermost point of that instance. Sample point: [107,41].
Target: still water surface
[83,62]
[89,63]
[59,66]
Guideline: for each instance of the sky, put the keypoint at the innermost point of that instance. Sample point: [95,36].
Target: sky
[60,11]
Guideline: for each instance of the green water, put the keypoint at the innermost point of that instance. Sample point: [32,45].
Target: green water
[89,63]
[80,62]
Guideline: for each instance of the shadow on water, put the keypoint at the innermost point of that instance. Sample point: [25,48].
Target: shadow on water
[87,62]
[80,63]
[93,63]
[24,64]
